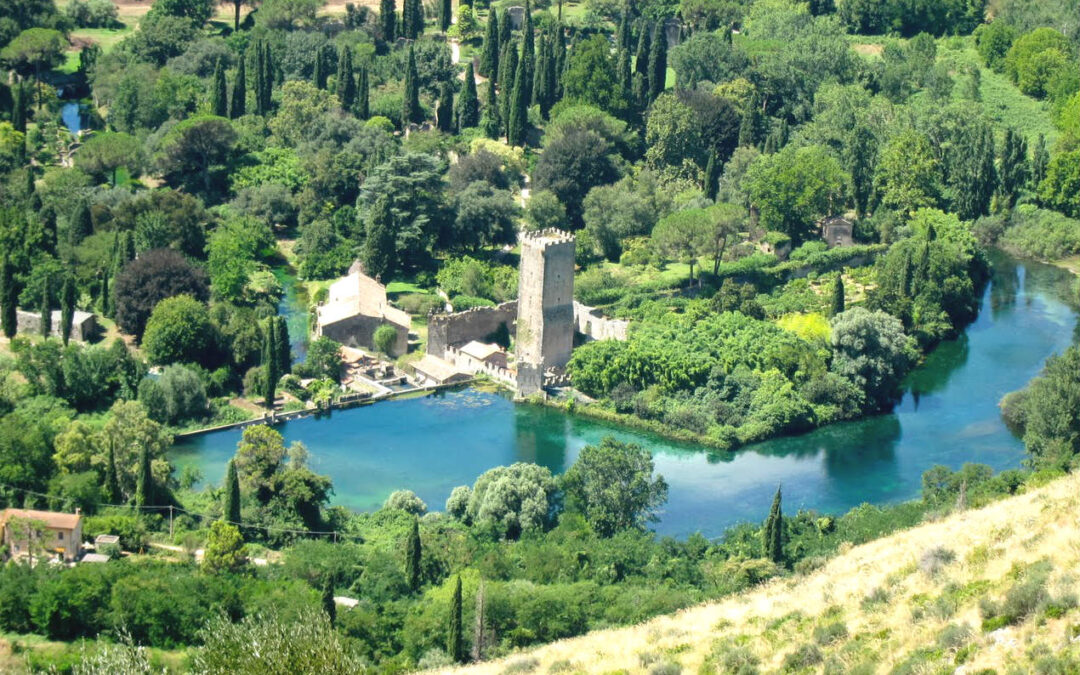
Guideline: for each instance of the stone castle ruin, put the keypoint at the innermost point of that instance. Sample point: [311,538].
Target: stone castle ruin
[544,319]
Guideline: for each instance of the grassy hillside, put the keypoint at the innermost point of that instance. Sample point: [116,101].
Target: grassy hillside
[981,591]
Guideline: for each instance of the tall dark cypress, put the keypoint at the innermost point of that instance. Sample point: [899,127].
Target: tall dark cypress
[260,74]
[625,28]
[658,63]
[388,20]
[320,76]
[837,305]
[378,250]
[238,104]
[508,64]
[412,556]
[230,510]
[519,108]
[144,483]
[712,176]
[455,646]
[528,53]
[346,84]
[860,164]
[560,63]
[328,604]
[489,123]
[412,19]
[81,224]
[67,307]
[268,77]
[9,298]
[46,307]
[506,29]
[270,365]
[539,72]
[112,483]
[444,109]
[489,53]
[468,110]
[750,128]
[641,56]
[446,11]
[18,107]
[104,299]
[284,352]
[219,104]
[363,95]
[1039,161]
[773,534]
[1014,167]
[410,103]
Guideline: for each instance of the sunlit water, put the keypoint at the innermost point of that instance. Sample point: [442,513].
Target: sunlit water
[949,416]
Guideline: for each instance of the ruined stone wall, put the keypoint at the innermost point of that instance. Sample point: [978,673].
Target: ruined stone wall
[545,331]
[450,330]
[359,331]
[591,323]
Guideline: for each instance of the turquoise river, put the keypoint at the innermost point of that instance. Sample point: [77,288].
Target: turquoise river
[948,415]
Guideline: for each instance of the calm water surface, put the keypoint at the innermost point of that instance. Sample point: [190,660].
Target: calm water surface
[948,416]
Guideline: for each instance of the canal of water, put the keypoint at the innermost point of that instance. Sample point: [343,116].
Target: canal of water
[948,415]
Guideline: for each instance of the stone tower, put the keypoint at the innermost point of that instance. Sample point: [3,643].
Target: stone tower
[545,322]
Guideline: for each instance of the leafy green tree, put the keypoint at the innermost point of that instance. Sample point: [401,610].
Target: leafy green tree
[1035,58]
[225,549]
[973,177]
[612,485]
[673,137]
[230,510]
[179,331]
[324,359]
[508,63]
[545,211]
[872,351]
[385,339]
[993,41]
[592,77]
[511,500]
[18,107]
[412,19]
[1061,187]
[1052,412]
[486,217]
[455,646]
[80,223]
[796,187]
[908,175]
[773,532]
[198,11]
[104,153]
[195,152]
[34,51]
[232,251]
[571,165]
[283,348]
[412,556]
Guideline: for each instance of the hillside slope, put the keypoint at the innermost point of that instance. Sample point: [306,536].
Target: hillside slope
[993,588]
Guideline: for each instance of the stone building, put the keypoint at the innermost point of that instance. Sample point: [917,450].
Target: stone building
[837,231]
[83,324]
[355,308]
[545,321]
[27,532]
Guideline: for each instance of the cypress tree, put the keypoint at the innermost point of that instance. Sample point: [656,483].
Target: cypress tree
[773,534]
[750,128]
[412,19]
[539,74]
[454,644]
[238,105]
[46,308]
[328,600]
[220,101]
[519,108]
[1039,161]
[363,95]
[560,63]
[506,30]
[81,224]
[508,68]
[468,105]
[112,484]
[658,64]
[489,53]
[444,111]
[268,77]
[320,75]
[860,157]
[641,56]
[231,508]
[260,74]
[412,556]
[410,104]
[1014,167]
[387,20]
[528,54]
[379,242]
[626,79]
[67,307]
[446,12]
[490,121]
[346,85]
[284,351]
[712,176]
[9,295]
[144,484]
[18,108]
[270,365]
[837,297]
[624,28]
[104,305]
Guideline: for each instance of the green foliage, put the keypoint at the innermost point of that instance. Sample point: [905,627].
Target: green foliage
[225,550]
[1061,187]
[178,331]
[795,188]
[511,500]
[772,535]
[871,350]
[1050,412]
[385,339]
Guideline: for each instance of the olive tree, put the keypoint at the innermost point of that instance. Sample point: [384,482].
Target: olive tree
[510,500]
[872,351]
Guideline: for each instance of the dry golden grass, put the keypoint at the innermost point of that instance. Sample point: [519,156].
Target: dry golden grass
[891,605]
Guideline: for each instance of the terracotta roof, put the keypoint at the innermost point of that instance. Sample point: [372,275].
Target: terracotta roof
[52,519]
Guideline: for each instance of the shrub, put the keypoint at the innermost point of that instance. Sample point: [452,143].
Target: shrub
[385,339]
[934,559]
[464,302]
[728,656]
[804,656]
[523,665]
[830,633]
[406,500]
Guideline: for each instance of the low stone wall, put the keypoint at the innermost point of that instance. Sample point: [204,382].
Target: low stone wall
[591,323]
[448,330]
